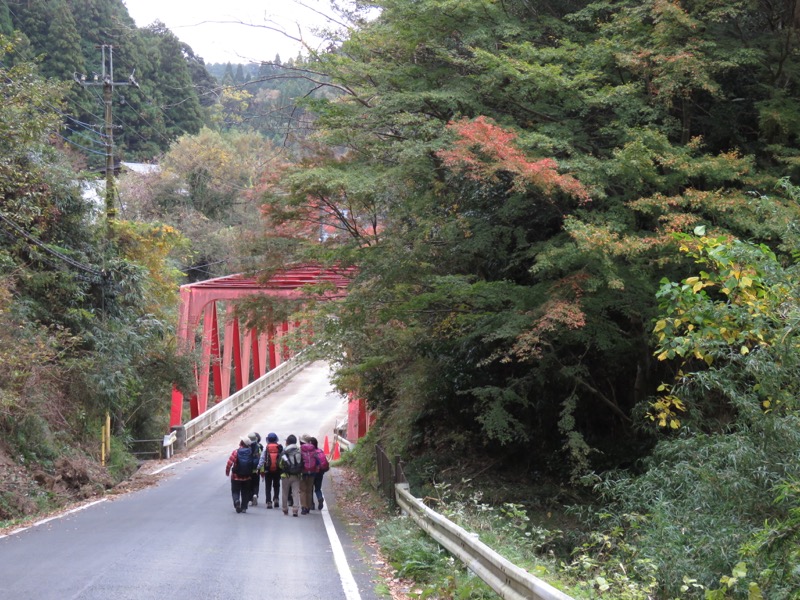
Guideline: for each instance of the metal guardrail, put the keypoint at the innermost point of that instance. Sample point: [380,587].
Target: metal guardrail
[508,580]
[168,444]
[343,442]
[207,423]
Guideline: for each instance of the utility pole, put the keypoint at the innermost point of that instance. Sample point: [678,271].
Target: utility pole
[107,81]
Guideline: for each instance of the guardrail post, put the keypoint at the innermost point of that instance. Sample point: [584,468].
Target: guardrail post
[168,445]
[405,487]
[180,437]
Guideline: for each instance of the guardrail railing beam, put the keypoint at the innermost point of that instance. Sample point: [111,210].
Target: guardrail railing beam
[508,580]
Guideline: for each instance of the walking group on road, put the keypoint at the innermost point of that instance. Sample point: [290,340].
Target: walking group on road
[289,472]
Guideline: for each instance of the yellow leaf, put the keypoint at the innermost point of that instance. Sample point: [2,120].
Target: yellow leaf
[662,356]
[674,423]
[697,287]
[744,350]
[659,326]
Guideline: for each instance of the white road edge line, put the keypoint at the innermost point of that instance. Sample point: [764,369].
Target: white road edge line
[85,506]
[48,519]
[165,467]
[345,574]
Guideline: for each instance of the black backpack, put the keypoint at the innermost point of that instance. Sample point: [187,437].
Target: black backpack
[244,461]
[292,462]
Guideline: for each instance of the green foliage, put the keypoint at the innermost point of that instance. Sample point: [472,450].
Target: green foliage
[86,323]
[738,317]
[412,553]
[700,500]
[434,572]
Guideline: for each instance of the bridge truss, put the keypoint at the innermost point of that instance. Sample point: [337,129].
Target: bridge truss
[228,361]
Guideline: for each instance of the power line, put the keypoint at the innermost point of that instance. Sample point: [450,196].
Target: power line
[77,145]
[99,276]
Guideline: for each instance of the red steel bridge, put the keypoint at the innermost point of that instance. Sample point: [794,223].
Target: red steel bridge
[227,361]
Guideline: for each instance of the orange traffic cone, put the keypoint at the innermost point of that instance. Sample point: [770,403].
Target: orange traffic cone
[326,448]
[336,455]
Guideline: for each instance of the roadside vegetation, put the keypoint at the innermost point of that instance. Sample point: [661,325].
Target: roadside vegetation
[573,230]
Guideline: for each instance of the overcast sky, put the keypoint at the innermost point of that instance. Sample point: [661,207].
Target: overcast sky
[215,30]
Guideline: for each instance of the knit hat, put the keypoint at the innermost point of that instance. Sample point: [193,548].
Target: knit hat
[291,439]
[305,438]
[272,437]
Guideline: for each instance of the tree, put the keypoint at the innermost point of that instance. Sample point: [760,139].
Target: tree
[208,190]
[521,169]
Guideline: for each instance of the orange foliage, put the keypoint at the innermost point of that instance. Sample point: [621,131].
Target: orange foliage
[557,314]
[483,149]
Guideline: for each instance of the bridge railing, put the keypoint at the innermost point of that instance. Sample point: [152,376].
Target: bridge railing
[194,431]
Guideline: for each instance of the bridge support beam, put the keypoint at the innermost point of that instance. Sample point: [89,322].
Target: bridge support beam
[260,351]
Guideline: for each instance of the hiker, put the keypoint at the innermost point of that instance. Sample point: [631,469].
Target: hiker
[256,448]
[240,468]
[324,467]
[310,469]
[291,464]
[270,470]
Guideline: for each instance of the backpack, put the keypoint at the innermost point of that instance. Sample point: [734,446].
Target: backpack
[244,461]
[292,462]
[322,460]
[273,454]
[310,462]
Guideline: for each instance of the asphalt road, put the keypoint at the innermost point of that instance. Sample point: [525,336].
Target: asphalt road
[181,538]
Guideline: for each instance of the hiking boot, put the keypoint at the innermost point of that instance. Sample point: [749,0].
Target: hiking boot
[304,511]
[294,514]
[276,501]
[286,513]
[237,505]
[255,500]
[269,504]
[321,503]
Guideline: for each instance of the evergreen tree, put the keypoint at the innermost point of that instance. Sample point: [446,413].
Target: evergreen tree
[6,24]
[499,296]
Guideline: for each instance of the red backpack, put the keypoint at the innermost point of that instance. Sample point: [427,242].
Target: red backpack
[273,452]
[310,463]
[322,460]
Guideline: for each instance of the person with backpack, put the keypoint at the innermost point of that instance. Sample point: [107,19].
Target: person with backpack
[310,469]
[291,465]
[256,448]
[324,467]
[240,469]
[270,470]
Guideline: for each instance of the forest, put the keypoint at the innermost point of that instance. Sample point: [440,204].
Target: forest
[575,229]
